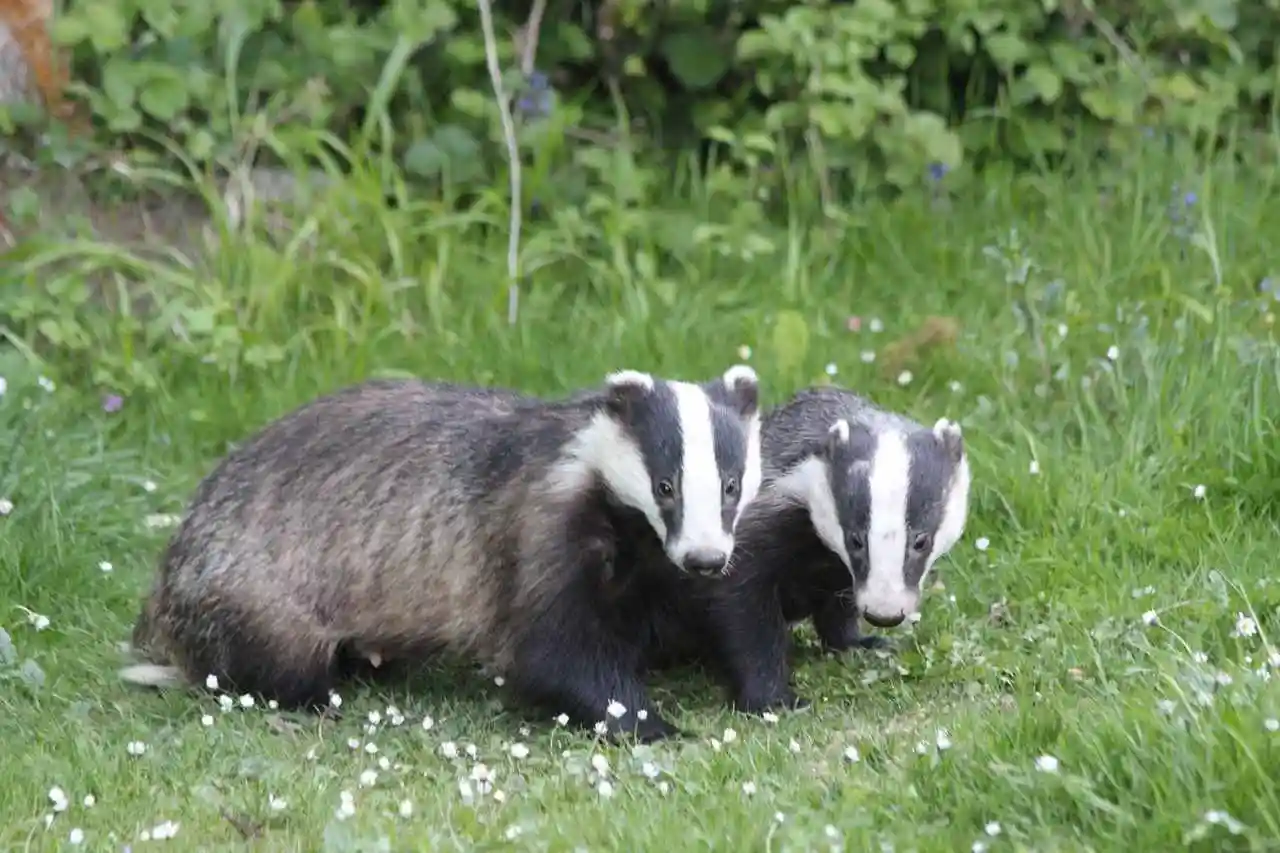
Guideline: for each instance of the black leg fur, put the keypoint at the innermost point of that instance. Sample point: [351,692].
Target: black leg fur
[753,640]
[838,625]
[298,673]
[570,662]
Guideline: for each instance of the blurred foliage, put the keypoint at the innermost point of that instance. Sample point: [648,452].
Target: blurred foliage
[873,92]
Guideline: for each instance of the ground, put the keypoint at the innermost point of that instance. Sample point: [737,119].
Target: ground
[1095,668]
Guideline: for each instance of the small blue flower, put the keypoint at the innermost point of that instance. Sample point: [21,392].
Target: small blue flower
[938,171]
[1189,199]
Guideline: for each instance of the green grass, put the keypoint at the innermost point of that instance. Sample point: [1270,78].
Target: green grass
[1034,646]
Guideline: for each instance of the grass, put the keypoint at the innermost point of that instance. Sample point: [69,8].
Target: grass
[1113,607]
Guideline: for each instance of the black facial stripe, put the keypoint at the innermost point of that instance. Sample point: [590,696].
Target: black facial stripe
[851,489]
[655,427]
[730,433]
[929,476]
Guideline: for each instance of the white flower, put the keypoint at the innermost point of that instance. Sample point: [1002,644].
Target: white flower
[794,745]
[875,325]
[353,743]
[148,486]
[6,506]
[76,836]
[1034,467]
[135,747]
[831,369]
[1271,725]
[384,763]
[769,717]
[498,681]
[46,383]
[4,386]
[1150,617]
[206,719]
[744,352]
[335,700]
[168,829]
[276,804]
[562,720]
[519,751]
[471,750]
[649,769]
[1166,706]
[406,808]
[1047,764]
[616,709]
[601,728]
[730,735]
[1113,352]
[1198,492]
[368,778]
[852,755]
[867,356]
[605,788]
[992,828]
[105,567]
[499,796]
[273,705]
[37,620]
[375,717]
[481,773]
[346,805]
[246,701]
[943,740]
[371,748]
[955,386]
[600,764]
[449,749]
[779,817]
[1062,330]
[642,715]
[978,846]
[226,702]
[982,543]
[427,723]
[89,801]
[58,797]
[1245,626]
[749,788]
[905,377]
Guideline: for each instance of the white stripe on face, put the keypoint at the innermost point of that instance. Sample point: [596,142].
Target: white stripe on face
[702,527]
[954,514]
[810,483]
[751,472]
[606,449]
[885,592]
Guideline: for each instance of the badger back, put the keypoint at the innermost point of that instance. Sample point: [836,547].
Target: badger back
[685,456]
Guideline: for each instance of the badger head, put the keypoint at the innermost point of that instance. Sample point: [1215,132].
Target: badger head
[685,455]
[889,503]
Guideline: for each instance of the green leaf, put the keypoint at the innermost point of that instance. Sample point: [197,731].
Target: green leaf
[164,95]
[790,341]
[698,56]
[1045,82]
[108,29]
[1181,87]
[1006,49]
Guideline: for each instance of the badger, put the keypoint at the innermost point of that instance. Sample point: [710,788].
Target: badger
[395,519]
[856,506]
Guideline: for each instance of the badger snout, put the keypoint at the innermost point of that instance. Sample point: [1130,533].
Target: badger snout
[882,621]
[705,561]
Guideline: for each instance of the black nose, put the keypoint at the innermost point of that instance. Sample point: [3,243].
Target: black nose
[705,562]
[884,621]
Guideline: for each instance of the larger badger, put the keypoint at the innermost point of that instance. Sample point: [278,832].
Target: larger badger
[856,506]
[395,519]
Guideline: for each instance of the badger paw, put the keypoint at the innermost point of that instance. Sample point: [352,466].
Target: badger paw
[782,700]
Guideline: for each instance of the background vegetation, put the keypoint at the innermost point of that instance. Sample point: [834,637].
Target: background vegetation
[1050,222]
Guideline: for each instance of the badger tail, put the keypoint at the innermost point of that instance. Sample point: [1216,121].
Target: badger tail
[153,675]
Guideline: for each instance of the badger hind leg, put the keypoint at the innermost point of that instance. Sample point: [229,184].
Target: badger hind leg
[282,655]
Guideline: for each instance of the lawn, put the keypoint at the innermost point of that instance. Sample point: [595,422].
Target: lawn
[1096,667]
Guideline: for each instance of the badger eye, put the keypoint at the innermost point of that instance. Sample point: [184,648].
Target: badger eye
[665,489]
[731,487]
[921,545]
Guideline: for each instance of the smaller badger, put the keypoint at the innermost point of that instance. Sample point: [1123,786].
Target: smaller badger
[856,506]
[395,519]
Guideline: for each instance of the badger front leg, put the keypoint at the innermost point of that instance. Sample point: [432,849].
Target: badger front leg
[570,660]
[750,638]
[838,625]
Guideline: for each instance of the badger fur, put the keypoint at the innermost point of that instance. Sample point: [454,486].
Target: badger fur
[856,506]
[395,519]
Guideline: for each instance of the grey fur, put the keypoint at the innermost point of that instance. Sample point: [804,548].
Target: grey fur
[396,518]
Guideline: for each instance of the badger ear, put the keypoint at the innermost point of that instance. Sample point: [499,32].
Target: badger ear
[850,441]
[951,438]
[743,387]
[625,388]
